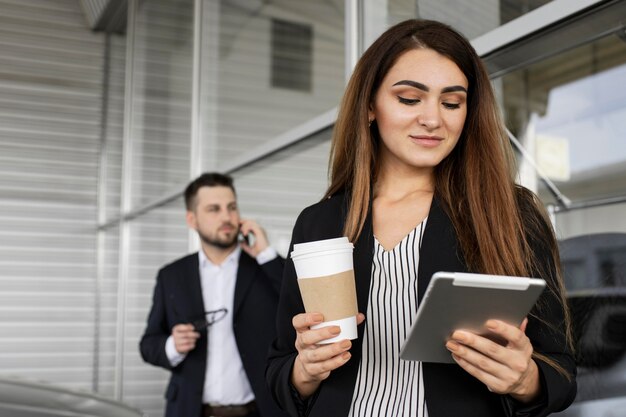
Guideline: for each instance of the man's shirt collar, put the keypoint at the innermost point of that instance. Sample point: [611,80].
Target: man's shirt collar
[233,257]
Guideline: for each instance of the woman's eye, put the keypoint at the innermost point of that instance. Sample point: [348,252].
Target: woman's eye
[408,100]
[451,105]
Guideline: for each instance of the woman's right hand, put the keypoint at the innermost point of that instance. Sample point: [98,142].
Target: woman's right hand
[314,361]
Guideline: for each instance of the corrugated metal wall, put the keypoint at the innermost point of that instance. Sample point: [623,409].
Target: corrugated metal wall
[109,208]
[51,75]
[93,10]
[249,109]
[61,130]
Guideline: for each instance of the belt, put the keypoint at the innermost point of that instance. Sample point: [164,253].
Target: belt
[228,410]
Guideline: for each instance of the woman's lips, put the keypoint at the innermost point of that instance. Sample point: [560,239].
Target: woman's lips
[427,141]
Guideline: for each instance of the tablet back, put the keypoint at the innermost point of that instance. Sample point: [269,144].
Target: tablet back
[466,301]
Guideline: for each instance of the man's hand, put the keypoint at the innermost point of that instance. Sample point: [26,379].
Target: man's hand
[260,238]
[184,337]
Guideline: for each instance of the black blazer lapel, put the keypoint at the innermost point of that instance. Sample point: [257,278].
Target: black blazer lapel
[246,272]
[192,289]
[363,256]
[440,249]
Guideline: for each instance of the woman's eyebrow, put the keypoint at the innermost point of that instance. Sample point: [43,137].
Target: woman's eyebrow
[425,88]
[415,84]
[453,89]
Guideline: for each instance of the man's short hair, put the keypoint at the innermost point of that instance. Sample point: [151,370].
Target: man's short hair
[208,179]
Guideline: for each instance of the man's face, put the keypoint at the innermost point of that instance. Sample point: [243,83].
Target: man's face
[215,216]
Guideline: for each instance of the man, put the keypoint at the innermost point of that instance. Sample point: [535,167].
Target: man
[213,313]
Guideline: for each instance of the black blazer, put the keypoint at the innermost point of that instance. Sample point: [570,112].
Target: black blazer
[449,390]
[178,299]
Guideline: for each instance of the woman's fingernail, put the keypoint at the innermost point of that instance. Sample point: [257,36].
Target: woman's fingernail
[459,337]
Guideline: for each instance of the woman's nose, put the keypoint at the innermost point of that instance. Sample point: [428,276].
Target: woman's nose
[429,116]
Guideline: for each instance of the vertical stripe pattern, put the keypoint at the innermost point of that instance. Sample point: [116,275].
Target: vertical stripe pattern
[385,384]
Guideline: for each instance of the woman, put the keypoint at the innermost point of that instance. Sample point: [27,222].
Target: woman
[422,181]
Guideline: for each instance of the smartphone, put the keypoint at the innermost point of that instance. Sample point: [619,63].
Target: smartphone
[247,239]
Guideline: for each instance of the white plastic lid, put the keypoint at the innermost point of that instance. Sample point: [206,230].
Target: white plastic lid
[320,244]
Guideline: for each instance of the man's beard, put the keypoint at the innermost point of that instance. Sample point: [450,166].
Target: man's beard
[219,243]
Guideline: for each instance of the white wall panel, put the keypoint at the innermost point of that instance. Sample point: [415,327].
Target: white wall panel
[274,191]
[161,109]
[51,69]
[158,238]
[241,109]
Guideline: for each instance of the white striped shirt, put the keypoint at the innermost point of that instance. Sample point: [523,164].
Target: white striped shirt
[387,385]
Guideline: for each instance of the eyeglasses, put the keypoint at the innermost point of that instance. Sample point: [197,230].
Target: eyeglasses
[209,319]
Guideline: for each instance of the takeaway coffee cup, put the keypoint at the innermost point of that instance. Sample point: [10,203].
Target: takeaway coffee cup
[326,280]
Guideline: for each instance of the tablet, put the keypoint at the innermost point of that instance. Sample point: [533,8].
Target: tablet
[455,300]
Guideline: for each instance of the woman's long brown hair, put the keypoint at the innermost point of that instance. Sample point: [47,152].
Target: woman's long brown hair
[475,183]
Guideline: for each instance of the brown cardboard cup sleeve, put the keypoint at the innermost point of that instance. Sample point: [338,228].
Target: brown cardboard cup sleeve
[331,295]
[335,297]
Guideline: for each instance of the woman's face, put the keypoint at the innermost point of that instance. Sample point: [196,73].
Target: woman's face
[420,110]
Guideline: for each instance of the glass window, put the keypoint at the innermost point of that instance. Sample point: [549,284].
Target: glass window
[512,9]
[162,85]
[267,68]
[292,55]
[476,17]
[472,18]
[570,113]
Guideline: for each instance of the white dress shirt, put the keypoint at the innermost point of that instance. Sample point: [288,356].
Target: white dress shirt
[225,380]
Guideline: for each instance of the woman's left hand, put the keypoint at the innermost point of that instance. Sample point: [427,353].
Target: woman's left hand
[504,369]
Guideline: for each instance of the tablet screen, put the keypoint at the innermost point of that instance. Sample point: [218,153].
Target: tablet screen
[456,300]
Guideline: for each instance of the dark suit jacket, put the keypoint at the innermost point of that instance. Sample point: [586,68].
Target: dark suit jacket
[449,390]
[178,299]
